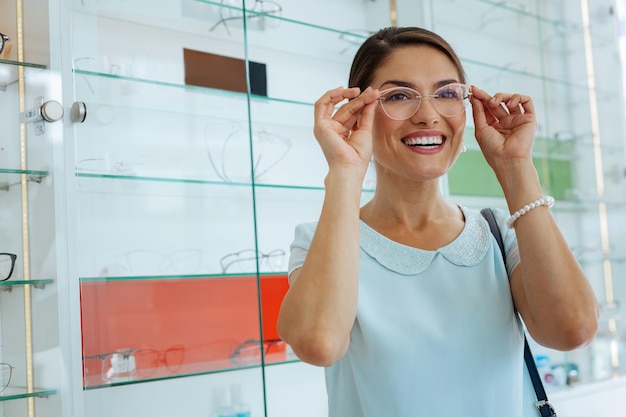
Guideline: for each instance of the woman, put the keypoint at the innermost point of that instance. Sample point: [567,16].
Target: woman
[406,300]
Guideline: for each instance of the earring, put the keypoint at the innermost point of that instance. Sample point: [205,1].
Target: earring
[464,149]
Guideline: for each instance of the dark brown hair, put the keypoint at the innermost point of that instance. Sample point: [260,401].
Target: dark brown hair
[377,48]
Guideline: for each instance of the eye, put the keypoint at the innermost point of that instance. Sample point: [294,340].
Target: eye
[399,95]
[452,91]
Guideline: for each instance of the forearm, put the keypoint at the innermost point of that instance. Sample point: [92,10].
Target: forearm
[559,306]
[319,309]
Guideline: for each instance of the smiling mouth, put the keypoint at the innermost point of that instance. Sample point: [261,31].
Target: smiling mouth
[429,142]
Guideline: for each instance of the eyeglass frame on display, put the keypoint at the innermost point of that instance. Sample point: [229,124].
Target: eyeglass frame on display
[258,255]
[13,258]
[256,14]
[263,347]
[122,263]
[5,40]
[5,385]
[419,96]
[260,135]
[161,358]
[130,356]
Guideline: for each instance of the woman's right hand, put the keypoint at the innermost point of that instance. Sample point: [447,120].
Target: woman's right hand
[345,135]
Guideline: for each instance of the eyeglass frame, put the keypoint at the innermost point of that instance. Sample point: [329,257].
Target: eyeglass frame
[161,358]
[132,353]
[6,385]
[256,13]
[421,96]
[5,39]
[258,255]
[13,258]
[264,347]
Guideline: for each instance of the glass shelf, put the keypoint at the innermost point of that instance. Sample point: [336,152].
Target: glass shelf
[194,181]
[108,95]
[177,277]
[16,393]
[11,177]
[12,172]
[173,100]
[103,188]
[190,370]
[36,283]
[9,71]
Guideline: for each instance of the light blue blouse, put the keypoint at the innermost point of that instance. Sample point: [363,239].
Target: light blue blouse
[436,334]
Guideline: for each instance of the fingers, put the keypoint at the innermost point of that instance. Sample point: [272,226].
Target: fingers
[482,117]
[349,114]
[501,105]
[325,105]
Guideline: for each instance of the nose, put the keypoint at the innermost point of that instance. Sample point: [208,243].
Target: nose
[426,112]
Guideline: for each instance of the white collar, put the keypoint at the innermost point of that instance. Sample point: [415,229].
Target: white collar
[469,248]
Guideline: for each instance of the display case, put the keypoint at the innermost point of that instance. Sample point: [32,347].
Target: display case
[193,159]
[566,57]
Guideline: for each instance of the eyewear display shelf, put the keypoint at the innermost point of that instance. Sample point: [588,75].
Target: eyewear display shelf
[26,315]
[187,193]
[579,149]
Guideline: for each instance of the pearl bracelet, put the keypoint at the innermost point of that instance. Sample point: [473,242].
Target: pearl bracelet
[543,201]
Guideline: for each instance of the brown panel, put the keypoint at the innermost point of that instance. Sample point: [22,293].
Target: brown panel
[214,71]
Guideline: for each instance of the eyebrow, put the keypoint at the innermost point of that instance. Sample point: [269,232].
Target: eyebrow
[399,83]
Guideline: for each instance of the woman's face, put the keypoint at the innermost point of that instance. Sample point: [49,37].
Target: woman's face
[401,146]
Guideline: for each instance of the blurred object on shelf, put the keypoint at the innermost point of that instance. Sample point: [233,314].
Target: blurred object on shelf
[153,263]
[256,16]
[248,260]
[607,349]
[227,142]
[5,46]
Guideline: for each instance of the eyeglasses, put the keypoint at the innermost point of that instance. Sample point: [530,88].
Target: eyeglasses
[249,352]
[6,371]
[257,13]
[4,42]
[246,261]
[7,265]
[129,364]
[148,262]
[224,142]
[401,103]
[148,360]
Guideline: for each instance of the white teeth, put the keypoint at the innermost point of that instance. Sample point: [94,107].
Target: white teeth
[431,140]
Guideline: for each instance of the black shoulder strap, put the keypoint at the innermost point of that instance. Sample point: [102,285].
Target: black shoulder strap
[543,405]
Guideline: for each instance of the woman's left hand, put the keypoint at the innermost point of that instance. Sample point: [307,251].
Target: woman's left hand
[505,126]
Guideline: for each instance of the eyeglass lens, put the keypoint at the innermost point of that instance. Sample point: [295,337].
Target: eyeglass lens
[148,360]
[6,371]
[7,264]
[401,103]
[3,41]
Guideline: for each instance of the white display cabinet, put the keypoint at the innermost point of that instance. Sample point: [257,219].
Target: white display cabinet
[186,190]
[565,55]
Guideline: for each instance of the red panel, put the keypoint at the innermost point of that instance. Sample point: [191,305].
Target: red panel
[210,317]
